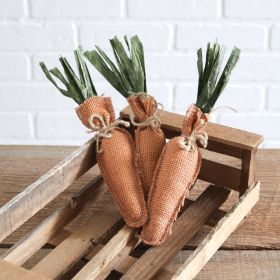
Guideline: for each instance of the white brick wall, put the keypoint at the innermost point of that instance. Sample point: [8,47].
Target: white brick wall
[33,112]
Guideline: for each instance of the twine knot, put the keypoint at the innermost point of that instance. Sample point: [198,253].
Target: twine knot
[104,130]
[189,142]
[153,121]
[198,135]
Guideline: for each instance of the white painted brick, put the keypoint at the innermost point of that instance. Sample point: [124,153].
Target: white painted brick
[55,26]
[73,9]
[184,96]
[163,95]
[275,37]
[257,68]
[33,98]
[119,102]
[153,36]
[50,61]
[158,66]
[244,36]
[60,126]
[11,8]
[257,9]
[15,125]
[270,144]
[263,124]
[242,98]
[274,98]
[13,67]
[37,37]
[171,67]
[173,9]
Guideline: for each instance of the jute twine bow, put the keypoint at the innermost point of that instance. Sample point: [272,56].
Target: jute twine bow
[104,131]
[198,135]
[153,121]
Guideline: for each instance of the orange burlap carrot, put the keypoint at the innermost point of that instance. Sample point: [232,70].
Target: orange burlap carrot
[175,174]
[115,157]
[149,138]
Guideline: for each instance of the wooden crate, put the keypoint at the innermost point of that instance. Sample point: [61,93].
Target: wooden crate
[115,252]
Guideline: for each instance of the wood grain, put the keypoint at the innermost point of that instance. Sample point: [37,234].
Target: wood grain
[96,266]
[233,265]
[46,230]
[21,165]
[217,133]
[225,265]
[13,272]
[217,236]
[184,228]
[37,195]
[79,242]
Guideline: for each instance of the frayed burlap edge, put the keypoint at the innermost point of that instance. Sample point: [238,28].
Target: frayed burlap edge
[139,188]
[180,202]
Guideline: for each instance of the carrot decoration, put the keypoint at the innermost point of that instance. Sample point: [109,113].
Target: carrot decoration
[115,150]
[180,161]
[128,76]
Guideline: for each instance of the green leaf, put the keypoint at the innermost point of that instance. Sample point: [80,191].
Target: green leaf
[100,64]
[124,63]
[84,73]
[78,88]
[234,56]
[200,70]
[75,85]
[127,75]
[48,75]
[210,86]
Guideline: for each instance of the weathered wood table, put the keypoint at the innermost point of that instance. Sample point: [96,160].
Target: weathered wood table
[252,252]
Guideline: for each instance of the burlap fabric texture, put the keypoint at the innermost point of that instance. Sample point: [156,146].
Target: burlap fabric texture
[149,138]
[115,158]
[175,174]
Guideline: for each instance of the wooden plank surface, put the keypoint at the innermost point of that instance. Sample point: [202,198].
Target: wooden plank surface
[78,244]
[37,195]
[96,266]
[21,165]
[233,265]
[13,272]
[184,228]
[216,133]
[46,230]
[217,236]
[225,265]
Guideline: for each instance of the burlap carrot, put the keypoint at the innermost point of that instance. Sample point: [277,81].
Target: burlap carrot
[114,145]
[180,161]
[128,77]
[149,138]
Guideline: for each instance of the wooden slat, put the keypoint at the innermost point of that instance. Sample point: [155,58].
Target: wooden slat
[102,259]
[217,133]
[247,170]
[10,271]
[258,231]
[228,264]
[218,235]
[23,206]
[59,237]
[220,174]
[78,243]
[185,227]
[116,261]
[225,264]
[40,235]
